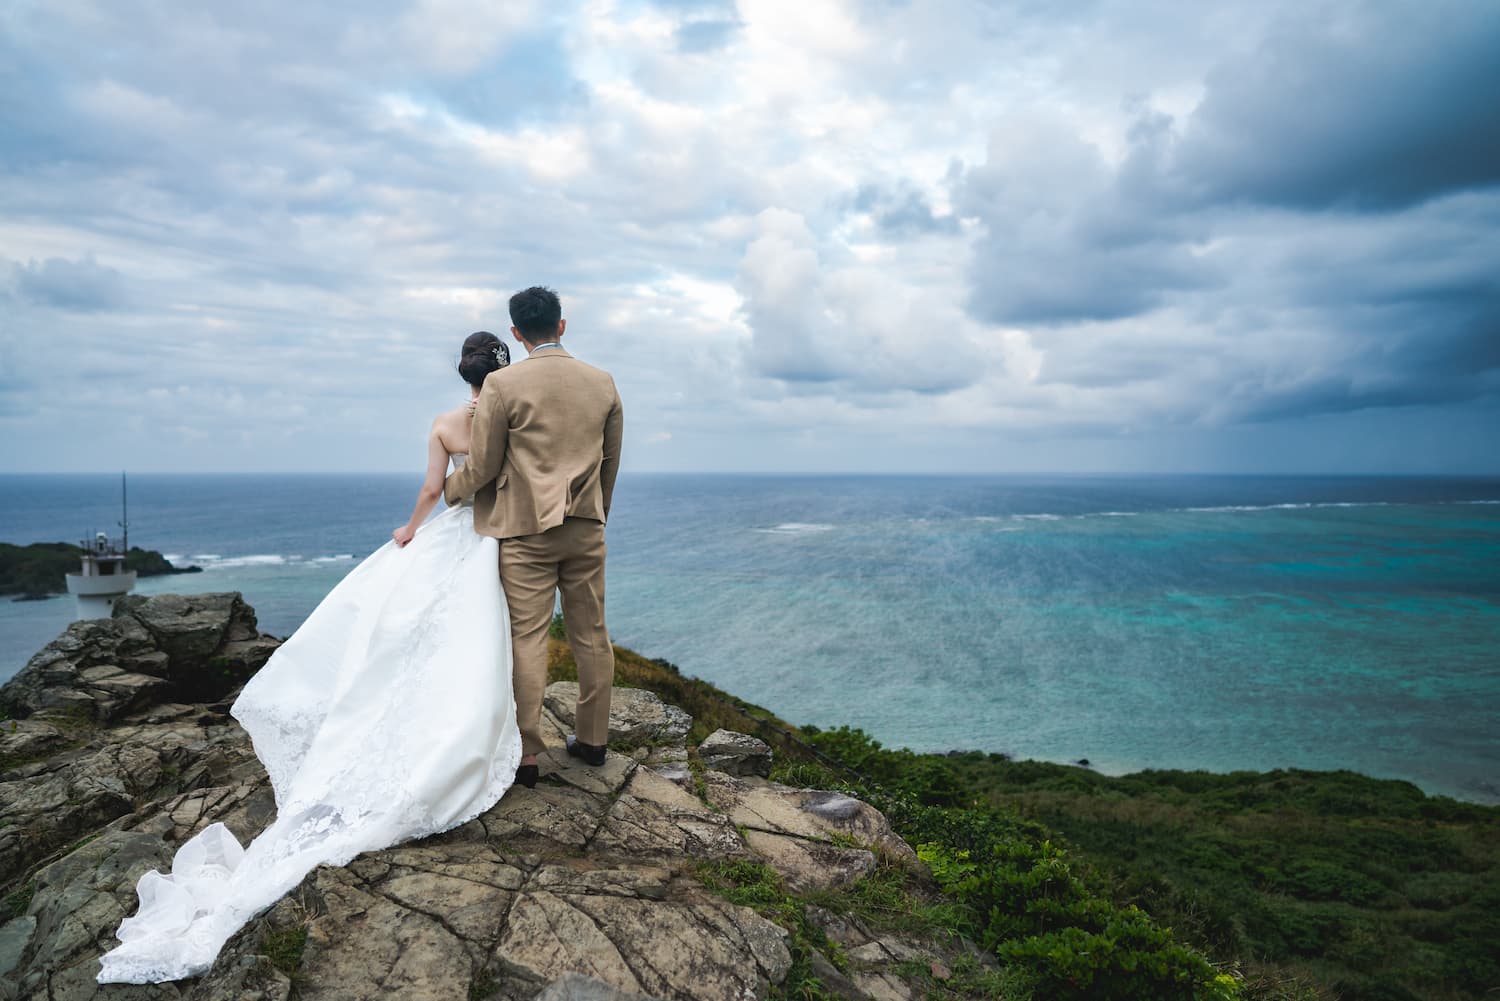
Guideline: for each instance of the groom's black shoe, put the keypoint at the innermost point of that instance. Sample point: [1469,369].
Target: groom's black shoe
[526,775]
[591,754]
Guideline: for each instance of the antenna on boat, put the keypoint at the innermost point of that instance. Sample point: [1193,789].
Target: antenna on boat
[124,515]
[102,577]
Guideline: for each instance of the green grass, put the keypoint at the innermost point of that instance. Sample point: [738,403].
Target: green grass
[284,947]
[483,985]
[18,900]
[759,887]
[966,979]
[889,900]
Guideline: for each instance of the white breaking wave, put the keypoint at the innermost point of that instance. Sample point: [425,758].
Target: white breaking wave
[1215,509]
[796,528]
[1224,508]
[257,560]
[1301,506]
[213,562]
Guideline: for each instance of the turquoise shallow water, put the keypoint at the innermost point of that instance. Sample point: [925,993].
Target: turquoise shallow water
[1185,622]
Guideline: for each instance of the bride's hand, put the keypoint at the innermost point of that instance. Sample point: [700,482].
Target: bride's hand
[403,535]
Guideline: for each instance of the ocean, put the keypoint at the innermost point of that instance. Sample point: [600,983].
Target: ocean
[1211,622]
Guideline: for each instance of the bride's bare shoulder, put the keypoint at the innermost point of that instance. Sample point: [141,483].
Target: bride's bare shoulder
[452,425]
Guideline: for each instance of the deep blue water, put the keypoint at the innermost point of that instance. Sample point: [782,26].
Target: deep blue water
[1185,622]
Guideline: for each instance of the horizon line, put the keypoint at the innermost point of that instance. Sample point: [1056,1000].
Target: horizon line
[1456,474]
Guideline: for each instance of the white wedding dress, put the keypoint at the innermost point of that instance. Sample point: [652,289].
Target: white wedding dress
[387,716]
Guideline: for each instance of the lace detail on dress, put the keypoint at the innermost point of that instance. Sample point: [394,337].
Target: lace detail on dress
[458,459]
[368,720]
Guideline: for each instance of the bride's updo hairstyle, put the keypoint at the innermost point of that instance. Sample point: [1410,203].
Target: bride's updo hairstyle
[483,354]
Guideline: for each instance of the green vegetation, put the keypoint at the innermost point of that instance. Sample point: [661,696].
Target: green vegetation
[967,979]
[483,985]
[1313,884]
[888,899]
[1038,913]
[1041,912]
[284,946]
[38,569]
[758,886]
[1297,886]
[18,901]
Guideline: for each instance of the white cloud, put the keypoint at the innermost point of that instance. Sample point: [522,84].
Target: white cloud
[977,224]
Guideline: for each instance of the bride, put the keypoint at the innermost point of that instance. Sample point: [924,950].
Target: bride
[388,715]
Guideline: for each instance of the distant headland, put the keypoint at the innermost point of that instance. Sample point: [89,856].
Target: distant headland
[38,570]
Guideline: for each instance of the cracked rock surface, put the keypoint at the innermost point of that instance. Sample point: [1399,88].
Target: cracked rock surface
[587,887]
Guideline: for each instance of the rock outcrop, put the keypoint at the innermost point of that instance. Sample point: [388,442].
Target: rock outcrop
[168,648]
[736,753]
[590,886]
[635,718]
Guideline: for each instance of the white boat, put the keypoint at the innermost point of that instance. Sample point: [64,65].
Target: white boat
[103,579]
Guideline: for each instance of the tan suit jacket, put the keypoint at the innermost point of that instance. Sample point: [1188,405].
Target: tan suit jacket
[545,446]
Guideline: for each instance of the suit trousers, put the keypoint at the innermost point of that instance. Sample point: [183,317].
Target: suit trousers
[566,559]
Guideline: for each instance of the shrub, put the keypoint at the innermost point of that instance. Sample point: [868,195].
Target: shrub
[1037,914]
[1018,892]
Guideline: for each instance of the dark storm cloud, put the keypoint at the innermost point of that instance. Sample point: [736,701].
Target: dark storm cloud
[1067,239]
[1410,302]
[1377,108]
[1325,219]
[1059,278]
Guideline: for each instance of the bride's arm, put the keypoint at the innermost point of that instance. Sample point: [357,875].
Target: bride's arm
[432,487]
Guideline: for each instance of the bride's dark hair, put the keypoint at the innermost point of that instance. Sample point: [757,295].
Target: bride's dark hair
[483,354]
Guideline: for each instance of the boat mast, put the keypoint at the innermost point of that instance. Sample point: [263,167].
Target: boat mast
[124,514]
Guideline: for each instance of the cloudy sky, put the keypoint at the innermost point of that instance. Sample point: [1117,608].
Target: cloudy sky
[945,235]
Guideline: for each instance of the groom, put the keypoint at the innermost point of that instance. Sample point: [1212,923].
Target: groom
[542,462]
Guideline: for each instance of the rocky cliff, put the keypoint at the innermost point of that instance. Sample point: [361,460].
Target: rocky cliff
[623,881]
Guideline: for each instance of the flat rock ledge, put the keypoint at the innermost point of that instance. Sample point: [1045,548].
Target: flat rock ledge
[586,888]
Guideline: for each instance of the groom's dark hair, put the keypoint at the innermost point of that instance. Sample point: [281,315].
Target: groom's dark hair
[535,312]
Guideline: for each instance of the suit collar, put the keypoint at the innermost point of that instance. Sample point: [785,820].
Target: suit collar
[543,352]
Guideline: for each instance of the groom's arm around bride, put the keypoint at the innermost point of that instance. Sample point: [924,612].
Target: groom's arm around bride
[542,464]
